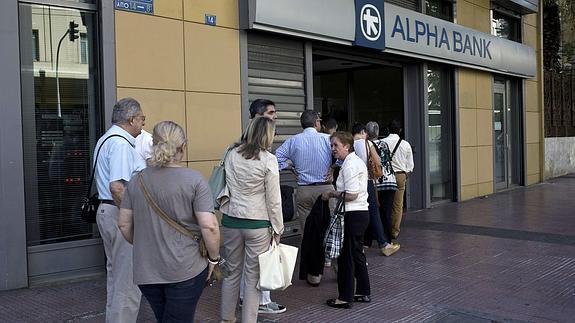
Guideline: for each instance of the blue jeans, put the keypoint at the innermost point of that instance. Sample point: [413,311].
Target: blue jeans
[175,302]
[375,229]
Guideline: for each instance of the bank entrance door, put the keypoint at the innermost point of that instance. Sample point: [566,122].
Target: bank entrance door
[507,151]
[355,91]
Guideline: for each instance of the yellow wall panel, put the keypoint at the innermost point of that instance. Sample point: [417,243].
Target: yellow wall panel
[481,3]
[204,167]
[468,192]
[465,14]
[532,127]
[532,96]
[212,59]
[530,36]
[214,122]
[482,19]
[158,105]
[484,164]
[468,165]
[149,51]
[484,188]
[169,8]
[484,90]
[533,179]
[468,127]
[533,159]
[467,92]
[530,19]
[226,11]
[484,127]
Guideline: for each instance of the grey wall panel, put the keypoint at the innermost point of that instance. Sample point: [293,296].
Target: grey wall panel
[276,71]
[13,265]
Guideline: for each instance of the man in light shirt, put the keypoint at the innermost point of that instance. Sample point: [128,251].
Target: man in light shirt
[402,163]
[116,163]
[310,154]
[144,143]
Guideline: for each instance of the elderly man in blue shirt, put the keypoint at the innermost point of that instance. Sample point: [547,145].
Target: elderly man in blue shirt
[116,163]
[310,154]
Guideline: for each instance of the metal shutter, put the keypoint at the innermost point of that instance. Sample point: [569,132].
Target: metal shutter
[409,4]
[276,70]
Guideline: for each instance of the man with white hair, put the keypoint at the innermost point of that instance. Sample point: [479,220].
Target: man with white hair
[116,162]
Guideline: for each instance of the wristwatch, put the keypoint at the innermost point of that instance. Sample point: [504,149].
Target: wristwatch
[216,261]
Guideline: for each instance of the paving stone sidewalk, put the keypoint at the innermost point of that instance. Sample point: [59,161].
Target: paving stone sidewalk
[509,257]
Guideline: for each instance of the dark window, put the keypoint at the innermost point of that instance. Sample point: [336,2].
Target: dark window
[442,9]
[35,45]
[506,26]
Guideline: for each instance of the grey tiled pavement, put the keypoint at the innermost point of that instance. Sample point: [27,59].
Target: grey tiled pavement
[509,257]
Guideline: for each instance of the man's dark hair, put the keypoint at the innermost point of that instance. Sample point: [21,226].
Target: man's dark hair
[357,128]
[259,107]
[394,127]
[328,122]
[308,118]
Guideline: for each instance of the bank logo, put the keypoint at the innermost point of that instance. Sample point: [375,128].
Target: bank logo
[370,22]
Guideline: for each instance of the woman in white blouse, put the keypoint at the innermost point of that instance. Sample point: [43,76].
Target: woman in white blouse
[352,180]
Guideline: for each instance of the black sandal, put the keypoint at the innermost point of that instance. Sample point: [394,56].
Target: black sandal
[362,298]
[331,303]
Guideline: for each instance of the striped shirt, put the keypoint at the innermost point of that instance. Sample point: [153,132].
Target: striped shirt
[310,153]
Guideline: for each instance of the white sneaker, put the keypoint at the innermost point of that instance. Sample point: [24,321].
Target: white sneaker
[271,308]
[390,249]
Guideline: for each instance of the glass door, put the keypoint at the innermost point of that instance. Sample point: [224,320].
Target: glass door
[500,148]
[507,134]
[439,133]
[61,122]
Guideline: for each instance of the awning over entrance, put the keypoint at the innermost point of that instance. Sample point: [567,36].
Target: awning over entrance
[391,29]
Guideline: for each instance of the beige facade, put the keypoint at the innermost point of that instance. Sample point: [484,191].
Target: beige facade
[183,70]
[475,107]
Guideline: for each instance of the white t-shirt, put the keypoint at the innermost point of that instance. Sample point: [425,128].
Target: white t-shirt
[144,144]
[353,179]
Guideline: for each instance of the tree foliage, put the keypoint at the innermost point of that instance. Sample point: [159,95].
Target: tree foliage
[551,35]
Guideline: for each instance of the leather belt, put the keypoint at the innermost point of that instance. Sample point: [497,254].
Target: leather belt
[316,184]
[400,172]
[110,202]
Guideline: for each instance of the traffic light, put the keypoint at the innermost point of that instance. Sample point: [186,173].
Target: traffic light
[73,31]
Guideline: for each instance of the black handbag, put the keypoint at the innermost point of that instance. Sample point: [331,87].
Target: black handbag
[90,203]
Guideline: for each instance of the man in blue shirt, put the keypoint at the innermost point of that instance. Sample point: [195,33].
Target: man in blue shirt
[310,154]
[116,163]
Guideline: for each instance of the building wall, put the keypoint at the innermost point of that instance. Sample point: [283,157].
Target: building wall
[183,70]
[532,36]
[475,107]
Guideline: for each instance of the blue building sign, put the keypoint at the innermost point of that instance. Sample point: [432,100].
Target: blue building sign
[143,6]
[369,24]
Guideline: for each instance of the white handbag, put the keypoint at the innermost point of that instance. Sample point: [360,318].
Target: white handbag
[276,267]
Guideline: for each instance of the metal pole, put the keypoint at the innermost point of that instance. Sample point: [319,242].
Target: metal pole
[57,79]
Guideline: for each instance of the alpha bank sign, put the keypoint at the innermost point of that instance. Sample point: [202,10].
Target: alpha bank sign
[381,26]
[400,31]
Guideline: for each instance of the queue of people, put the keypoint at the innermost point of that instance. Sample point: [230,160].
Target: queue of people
[162,238]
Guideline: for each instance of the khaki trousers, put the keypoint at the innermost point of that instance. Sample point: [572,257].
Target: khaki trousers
[397,208]
[305,198]
[123,296]
[241,250]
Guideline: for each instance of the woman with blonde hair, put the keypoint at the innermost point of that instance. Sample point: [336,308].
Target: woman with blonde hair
[165,211]
[251,218]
